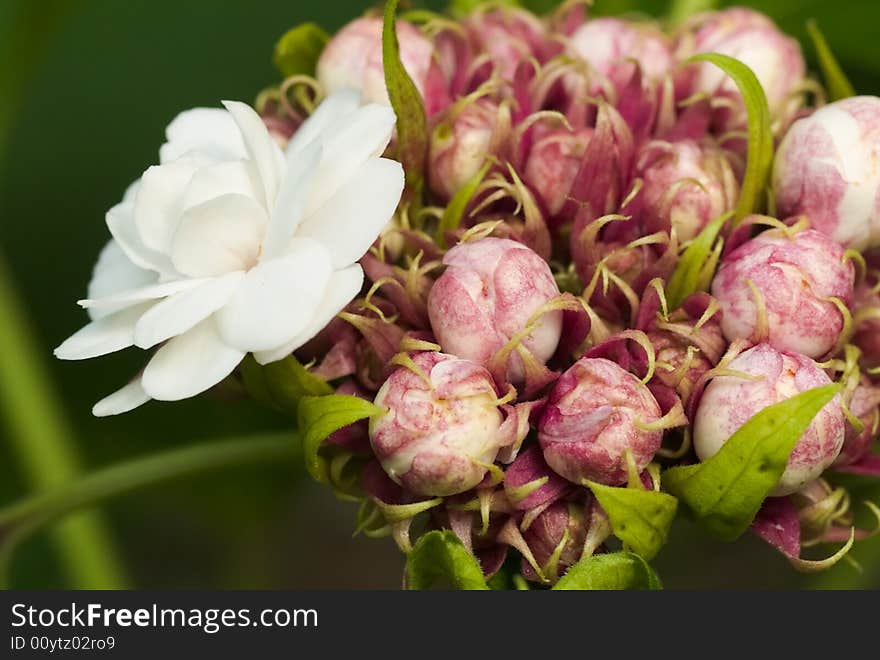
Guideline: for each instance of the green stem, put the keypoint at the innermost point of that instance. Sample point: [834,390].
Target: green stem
[21,519]
[681,10]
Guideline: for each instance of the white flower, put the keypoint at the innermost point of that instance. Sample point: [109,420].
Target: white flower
[232,246]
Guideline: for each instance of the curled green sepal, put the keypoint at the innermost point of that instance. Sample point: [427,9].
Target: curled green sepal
[412,131]
[319,416]
[616,571]
[440,555]
[297,52]
[690,273]
[639,518]
[838,85]
[760,132]
[725,492]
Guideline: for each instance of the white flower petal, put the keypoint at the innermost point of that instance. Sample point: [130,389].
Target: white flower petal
[122,401]
[178,313]
[106,335]
[210,131]
[347,146]
[230,177]
[120,222]
[114,273]
[262,149]
[292,199]
[144,294]
[334,109]
[190,363]
[277,298]
[158,204]
[220,236]
[341,290]
[352,219]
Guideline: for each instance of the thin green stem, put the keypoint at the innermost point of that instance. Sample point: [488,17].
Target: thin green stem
[681,10]
[21,519]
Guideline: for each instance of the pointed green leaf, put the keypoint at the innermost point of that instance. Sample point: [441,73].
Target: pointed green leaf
[438,555]
[282,384]
[297,52]
[839,86]
[686,278]
[616,571]
[725,492]
[319,416]
[458,204]
[760,142]
[639,518]
[412,131]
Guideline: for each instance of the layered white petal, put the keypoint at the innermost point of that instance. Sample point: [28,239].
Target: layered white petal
[122,401]
[342,288]
[114,273]
[106,335]
[190,363]
[262,149]
[277,299]
[135,296]
[347,146]
[120,222]
[352,219]
[158,204]
[220,236]
[177,314]
[335,109]
[292,199]
[210,131]
[230,177]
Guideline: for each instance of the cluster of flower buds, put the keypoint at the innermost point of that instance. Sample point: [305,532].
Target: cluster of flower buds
[532,327]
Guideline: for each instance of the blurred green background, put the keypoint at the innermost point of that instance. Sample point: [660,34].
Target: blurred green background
[109,76]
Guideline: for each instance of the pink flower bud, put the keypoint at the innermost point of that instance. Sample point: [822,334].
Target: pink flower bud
[353,58]
[612,46]
[596,413]
[754,39]
[867,318]
[730,401]
[828,168]
[553,164]
[461,142]
[490,291]
[442,428]
[685,186]
[779,289]
[865,406]
[507,36]
[560,530]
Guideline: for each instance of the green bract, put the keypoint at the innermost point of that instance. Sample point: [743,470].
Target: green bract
[839,86]
[455,210]
[610,572]
[319,416]
[297,52]
[282,384]
[639,518]
[441,555]
[725,492]
[696,266]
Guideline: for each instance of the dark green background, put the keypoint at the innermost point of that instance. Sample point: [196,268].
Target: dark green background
[91,119]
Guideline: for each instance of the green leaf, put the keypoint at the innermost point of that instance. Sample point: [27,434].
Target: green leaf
[440,554]
[760,142]
[686,278]
[639,518]
[282,384]
[725,492]
[455,210]
[319,416]
[839,86]
[616,571]
[412,130]
[297,52]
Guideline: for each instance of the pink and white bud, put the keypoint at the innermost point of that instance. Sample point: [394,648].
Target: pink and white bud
[490,291]
[442,427]
[507,36]
[613,47]
[753,39]
[552,166]
[686,185]
[866,314]
[781,289]
[864,406]
[353,58]
[728,402]
[461,142]
[828,168]
[595,415]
